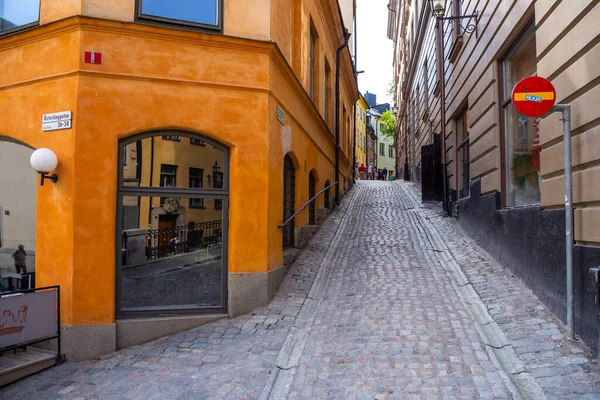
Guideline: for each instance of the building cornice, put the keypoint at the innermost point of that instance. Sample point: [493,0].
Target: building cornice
[89,24]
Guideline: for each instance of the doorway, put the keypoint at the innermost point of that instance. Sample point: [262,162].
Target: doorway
[289,204]
[312,186]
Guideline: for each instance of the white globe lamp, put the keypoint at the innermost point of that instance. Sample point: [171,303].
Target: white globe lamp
[43,161]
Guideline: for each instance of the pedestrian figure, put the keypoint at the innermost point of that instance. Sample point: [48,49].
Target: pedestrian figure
[361,170]
[370,172]
[19,256]
[385,173]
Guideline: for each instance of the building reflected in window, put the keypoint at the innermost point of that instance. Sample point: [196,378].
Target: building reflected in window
[172,243]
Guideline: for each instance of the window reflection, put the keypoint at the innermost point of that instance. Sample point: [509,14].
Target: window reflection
[16,13]
[172,161]
[522,133]
[205,12]
[171,255]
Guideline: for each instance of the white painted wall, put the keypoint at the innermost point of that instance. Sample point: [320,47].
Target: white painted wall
[18,184]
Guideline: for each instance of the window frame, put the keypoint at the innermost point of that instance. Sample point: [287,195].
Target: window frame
[463,129]
[529,28]
[197,142]
[327,91]
[153,191]
[382,149]
[168,174]
[196,202]
[140,17]
[25,26]
[313,58]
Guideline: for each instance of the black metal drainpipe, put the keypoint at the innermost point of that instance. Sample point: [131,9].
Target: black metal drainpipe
[337,116]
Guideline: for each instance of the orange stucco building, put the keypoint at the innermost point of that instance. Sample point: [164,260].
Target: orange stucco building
[256,83]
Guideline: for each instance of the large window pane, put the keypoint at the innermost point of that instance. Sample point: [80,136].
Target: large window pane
[172,161]
[522,134]
[15,13]
[205,12]
[171,258]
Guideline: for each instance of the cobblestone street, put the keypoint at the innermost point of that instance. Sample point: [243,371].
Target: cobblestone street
[378,306]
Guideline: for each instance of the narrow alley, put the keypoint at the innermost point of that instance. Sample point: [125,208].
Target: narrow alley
[378,306]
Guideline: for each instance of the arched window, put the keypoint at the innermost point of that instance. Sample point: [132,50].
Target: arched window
[172,223]
[19,183]
[289,194]
[312,183]
[326,194]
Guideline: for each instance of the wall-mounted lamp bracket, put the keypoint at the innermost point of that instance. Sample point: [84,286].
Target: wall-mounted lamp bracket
[43,177]
[470,27]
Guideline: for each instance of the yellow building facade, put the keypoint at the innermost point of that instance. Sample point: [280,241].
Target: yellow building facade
[361,130]
[192,138]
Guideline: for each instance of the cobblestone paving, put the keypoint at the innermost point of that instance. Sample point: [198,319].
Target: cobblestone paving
[227,359]
[389,325]
[563,368]
[381,317]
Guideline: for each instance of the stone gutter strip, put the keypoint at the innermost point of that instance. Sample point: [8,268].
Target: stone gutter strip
[521,383]
[287,362]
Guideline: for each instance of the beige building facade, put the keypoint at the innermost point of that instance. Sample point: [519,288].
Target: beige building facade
[504,172]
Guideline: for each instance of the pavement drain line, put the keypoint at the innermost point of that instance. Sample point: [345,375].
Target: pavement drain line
[287,362]
[520,382]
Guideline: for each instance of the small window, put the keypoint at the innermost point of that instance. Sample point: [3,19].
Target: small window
[381,149]
[218,184]
[174,138]
[168,177]
[391,150]
[327,91]
[18,14]
[462,148]
[197,142]
[195,181]
[204,14]
[426,90]
[313,54]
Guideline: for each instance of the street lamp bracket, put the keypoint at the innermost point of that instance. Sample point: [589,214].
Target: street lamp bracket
[471,23]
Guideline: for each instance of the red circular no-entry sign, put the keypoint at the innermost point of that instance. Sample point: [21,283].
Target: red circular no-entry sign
[534,96]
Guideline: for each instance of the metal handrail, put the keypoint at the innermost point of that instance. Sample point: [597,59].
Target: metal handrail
[305,204]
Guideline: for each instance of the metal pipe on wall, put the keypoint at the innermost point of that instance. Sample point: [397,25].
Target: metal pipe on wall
[337,115]
[440,60]
[565,109]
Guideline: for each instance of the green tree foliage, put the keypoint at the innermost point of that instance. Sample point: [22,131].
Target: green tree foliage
[388,123]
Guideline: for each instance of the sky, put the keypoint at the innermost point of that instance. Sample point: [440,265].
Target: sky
[375,50]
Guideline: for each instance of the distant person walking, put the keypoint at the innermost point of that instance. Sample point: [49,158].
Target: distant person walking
[370,172]
[20,259]
[385,173]
[362,171]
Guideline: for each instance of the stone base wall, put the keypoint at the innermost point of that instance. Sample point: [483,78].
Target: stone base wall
[530,241]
